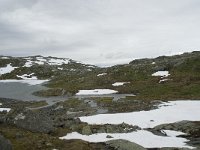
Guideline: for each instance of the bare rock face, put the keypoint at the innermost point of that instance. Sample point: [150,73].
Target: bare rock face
[5,144]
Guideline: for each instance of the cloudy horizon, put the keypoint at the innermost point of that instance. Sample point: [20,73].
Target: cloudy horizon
[100,32]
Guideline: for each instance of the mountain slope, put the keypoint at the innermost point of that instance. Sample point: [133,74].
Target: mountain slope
[71,76]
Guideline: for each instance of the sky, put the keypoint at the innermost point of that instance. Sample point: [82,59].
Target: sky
[100,32]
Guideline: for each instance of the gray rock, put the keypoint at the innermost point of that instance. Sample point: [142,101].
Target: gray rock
[109,136]
[36,122]
[86,130]
[124,145]
[5,144]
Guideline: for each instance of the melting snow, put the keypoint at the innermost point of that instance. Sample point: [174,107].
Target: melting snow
[7,69]
[164,80]
[161,73]
[141,137]
[96,92]
[59,68]
[28,63]
[72,69]
[183,110]
[167,112]
[119,83]
[5,109]
[39,62]
[4,57]
[54,61]
[27,77]
[42,61]
[102,74]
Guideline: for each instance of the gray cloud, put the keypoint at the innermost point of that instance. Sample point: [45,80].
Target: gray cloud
[100,32]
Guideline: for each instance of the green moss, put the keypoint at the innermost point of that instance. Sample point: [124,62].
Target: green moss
[38,104]
[104,100]
[22,139]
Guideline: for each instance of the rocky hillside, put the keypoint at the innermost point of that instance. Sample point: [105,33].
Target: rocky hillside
[164,77]
[150,80]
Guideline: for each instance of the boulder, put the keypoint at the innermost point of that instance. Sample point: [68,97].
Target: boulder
[35,122]
[86,130]
[124,145]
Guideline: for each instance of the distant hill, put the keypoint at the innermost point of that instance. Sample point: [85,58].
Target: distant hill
[141,75]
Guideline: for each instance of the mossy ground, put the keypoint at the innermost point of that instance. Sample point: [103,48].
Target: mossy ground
[22,140]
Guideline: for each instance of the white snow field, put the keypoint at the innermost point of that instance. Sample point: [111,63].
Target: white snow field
[7,69]
[167,112]
[141,137]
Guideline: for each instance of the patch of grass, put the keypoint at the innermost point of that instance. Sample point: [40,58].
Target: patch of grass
[38,104]
[50,92]
[22,139]
[104,100]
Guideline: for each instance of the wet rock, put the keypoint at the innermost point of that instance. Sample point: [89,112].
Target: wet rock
[109,136]
[5,144]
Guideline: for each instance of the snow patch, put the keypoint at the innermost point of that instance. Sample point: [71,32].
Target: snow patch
[161,73]
[41,59]
[119,83]
[184,110]
[102,74]
[164,80]
[96,92]
[7,69]
[4,57]
[141,137]
[20,116]
[28,63]
[28,76]
[5,109]
[72,69]
[59,68]
[39,62]
[54,61]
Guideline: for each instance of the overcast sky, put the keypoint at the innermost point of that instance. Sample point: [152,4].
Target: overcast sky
[101,32]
